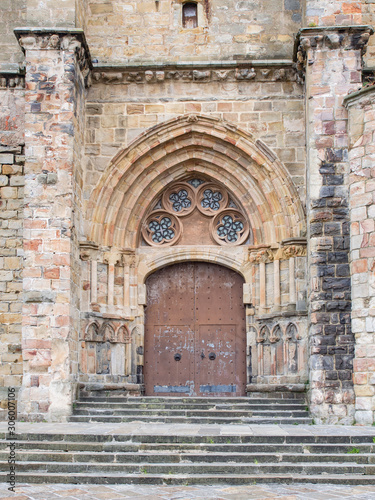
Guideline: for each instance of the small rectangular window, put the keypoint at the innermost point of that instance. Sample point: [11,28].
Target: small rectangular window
[189,15]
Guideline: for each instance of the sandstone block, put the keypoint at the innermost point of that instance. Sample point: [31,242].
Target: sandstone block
[8,192]
[4,180]
[6,158]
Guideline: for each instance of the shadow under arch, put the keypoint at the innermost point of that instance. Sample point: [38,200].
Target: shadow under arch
[234,260]
[194,143]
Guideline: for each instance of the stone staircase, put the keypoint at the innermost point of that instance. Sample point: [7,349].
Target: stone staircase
[183,458]
[181,441]
[281,408]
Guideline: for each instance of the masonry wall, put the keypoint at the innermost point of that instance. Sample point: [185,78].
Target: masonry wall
[271,109]
[11,215]
[12,14]
[361,107]
[122,32]
[333,69]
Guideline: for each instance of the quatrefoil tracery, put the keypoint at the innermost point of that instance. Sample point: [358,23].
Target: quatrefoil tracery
[163,227]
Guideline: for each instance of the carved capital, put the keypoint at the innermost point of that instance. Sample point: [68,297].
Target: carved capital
[294,251]
[88,250]
[308,40]
[260,255]
[64,39]
[128,258]
[112,257]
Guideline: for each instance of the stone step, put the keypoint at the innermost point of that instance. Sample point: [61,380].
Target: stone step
[194,400]
[167,413]
[168,399]
[203,457]
[226,447]
[185,480]
[189,413]
[192,468]
[184,406]
[200,439]
[191,420]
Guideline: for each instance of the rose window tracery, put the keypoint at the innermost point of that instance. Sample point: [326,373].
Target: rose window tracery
[211,199]
[195,182]
[180,200]
[230,227]
[210,202]
[161,229]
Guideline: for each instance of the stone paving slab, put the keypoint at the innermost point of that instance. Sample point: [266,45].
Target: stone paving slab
[226,492]
[144,428]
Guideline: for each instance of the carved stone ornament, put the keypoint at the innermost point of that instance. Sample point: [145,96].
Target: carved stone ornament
[88,250]
[284,72]
[12,80]
[330,37]
[161,229]
[58,39]
[106,331]
[263,334]
[229,227]
[164,224]
[276,334]
[264,255]
[294,251]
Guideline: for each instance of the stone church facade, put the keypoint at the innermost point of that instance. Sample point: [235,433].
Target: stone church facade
[220,140]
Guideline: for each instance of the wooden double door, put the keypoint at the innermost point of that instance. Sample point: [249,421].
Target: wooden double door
[195,338]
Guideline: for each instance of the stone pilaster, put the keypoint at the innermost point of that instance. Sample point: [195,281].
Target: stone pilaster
[361,107]
[331,59]
[57,70]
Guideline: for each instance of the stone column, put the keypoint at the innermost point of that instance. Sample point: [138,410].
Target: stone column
[57,65]
[330,57]
[361,106]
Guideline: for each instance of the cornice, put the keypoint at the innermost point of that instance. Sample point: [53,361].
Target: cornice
[197,72]
[365,94]
[64,39]
[329,38]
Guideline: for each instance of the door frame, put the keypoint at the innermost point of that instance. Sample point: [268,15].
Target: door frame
[244,382]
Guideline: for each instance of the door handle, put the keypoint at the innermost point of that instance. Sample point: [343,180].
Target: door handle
[202,355]
[212,356]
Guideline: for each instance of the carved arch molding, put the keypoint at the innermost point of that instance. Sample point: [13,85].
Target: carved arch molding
[195,211]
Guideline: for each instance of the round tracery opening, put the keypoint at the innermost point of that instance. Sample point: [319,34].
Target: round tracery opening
[196,211]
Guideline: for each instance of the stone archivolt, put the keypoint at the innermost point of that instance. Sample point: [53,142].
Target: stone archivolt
[165,224]
[205,146]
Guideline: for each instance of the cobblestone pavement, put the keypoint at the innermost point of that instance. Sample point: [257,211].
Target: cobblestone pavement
[227,492]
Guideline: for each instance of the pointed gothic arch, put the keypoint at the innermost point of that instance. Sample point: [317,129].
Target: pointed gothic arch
[168,152]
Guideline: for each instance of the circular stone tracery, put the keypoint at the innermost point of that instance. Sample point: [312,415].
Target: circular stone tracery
[230,227]
[211,198]
[164,225]
[179,198]
[161,229]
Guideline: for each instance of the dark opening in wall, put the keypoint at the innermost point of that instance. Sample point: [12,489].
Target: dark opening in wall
[189,15]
